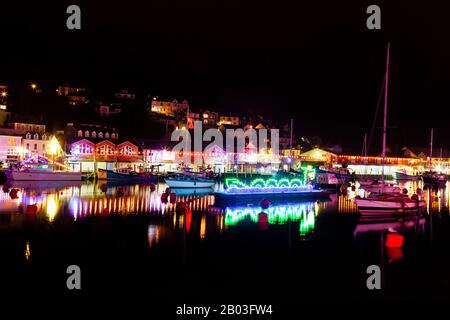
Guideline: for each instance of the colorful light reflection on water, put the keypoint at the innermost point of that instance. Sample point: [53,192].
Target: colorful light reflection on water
[81,200]
[304,213]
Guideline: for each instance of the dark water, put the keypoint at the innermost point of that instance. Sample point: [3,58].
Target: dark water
[128,243]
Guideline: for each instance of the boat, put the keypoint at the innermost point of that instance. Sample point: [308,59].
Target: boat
[434,178]
[431,177]
[378,205]
[237,191]
[400,175]
[383,187]
[40,174]
[182,180]
[381,202]
[327,180]
[126,175]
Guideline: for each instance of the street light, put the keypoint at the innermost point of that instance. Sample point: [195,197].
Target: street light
[53,149]
[4,94]
[33,86]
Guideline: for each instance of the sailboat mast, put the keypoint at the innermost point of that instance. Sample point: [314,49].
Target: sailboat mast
[383,154]
[431,150]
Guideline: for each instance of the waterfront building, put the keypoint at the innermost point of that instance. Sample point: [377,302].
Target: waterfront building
[10,148]
[372,165]
[91,147]
[87,155]
[35,144]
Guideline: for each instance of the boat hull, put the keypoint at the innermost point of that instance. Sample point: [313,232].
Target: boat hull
[42,176]
[176,183]
[227,199]
[115,176]
[377,207]
[404,176]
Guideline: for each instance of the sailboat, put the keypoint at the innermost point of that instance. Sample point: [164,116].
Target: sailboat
[431,177]
[382,202]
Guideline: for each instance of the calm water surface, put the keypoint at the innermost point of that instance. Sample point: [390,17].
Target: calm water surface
[126,240]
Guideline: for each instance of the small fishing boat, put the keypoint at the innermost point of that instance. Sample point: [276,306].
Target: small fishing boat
[126,176]
[180,180]
[400,175]
[187,178]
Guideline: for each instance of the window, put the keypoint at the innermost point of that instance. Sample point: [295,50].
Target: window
[28,146]
[107,135]
[100,135]
[113,136]
[86,134]
[43,146]
[44,137]
[80,133]
[28,136]
[94,134]
[36,136]
[35,146]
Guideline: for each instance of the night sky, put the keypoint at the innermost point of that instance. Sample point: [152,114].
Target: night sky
[314,61]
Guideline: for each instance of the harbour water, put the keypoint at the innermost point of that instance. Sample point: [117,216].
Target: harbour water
[126,240]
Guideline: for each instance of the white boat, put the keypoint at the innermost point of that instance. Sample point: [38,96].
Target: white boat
[390,204]
[191,180]
[398,175]
[38,174]
[381,187]
[189,183]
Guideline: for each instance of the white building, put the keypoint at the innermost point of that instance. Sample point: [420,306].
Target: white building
[10,148]
[35,144]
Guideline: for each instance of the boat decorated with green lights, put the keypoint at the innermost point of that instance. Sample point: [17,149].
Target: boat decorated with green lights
[236,190]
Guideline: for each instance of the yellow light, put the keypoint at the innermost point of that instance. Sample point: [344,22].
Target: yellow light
[27,251]
[33,86]
[4,94]
[205,116]
[54,146]
[52,207]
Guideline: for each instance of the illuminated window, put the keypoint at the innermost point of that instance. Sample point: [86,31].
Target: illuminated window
[80,133]
[86,134]
[100,135]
